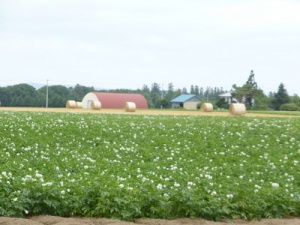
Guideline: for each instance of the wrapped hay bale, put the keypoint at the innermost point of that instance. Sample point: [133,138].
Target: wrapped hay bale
[130,107]
[237,109]
[79,105]
[96,105]
[71,104]
[207,107]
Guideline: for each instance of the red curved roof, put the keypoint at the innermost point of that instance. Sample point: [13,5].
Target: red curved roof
[118,100]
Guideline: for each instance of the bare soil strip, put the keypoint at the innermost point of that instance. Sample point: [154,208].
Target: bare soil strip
[54,220]
[139,112]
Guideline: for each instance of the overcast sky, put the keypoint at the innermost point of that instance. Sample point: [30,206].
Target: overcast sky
[129,43]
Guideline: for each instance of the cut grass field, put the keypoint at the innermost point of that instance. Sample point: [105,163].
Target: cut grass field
[115,164]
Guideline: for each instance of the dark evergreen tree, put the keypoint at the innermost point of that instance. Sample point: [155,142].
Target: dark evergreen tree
[197,90]
[145,89]
[170,92]
[280,98]
[156,95]
[177,93]
[192,91]
[201,92]
[251,79]
[168,96]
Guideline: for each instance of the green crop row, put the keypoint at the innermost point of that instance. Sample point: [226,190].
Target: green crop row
[131,166]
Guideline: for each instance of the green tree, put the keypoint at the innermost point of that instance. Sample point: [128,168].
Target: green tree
[280,97]
[248,92]
[5,96]
[22,95]
[201,92]
[197,90]
[168,96]
[170,92]
[262,103]
[148,99]
[164,103]
[192,91]
[78,92]
[295,99]
[222,104]
[156,95]
[177,93]
[289,107]
[145,89]
[58,96]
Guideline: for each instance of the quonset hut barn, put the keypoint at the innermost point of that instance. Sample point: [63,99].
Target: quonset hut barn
[114,100]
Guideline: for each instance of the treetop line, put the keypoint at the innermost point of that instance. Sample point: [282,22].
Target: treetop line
[25,95]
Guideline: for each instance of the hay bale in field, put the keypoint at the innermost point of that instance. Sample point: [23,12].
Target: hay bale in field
[237,109]
[71,104]
[96,105]
[207,107]
[130,107]
[79,105]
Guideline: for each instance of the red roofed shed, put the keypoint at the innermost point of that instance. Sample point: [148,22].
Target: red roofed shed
[114,100]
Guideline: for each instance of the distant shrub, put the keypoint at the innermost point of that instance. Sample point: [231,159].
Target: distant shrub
[289,107]
[260,107]
[222,104]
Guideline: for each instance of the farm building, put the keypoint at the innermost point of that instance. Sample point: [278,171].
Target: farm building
[186,101]
[114,100]
[228,98]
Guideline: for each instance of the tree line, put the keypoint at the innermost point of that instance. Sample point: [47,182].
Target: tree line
[25,95]
[254,97]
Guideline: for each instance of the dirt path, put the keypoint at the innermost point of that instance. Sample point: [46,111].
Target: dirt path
[138,112]
[54,220]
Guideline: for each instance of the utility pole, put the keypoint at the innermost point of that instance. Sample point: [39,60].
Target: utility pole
[47,95]
[162,94]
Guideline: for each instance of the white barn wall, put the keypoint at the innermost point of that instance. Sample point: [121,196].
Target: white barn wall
[190,105]
[88,99]
[175,105]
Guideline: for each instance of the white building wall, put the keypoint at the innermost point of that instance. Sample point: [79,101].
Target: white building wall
[175,105]
[190,105]
[87,100]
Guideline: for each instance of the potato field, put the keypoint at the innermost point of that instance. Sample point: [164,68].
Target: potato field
[155,166]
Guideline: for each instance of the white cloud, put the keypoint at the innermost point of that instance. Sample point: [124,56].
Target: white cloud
[131,43]
[261,14]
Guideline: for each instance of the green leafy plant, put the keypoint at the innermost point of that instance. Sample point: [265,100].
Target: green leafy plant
[131,166]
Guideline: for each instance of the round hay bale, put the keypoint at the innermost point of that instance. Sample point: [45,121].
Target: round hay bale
[78,105]
[96,105]
[237,109]
[71,104]
[130,107]
[207,107]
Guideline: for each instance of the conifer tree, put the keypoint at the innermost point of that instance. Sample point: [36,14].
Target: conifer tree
[281,97]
